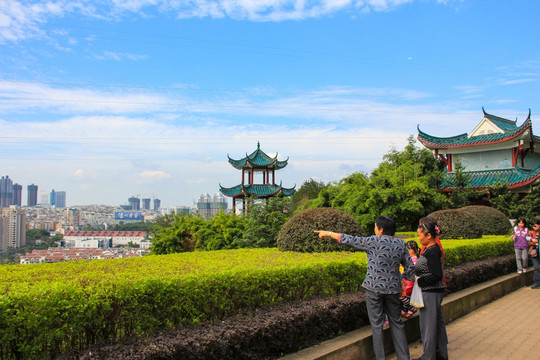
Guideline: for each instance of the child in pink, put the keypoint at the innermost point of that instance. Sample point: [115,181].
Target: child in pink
[521,239]
[406,308]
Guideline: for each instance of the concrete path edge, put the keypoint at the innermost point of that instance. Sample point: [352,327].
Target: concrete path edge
[358,345]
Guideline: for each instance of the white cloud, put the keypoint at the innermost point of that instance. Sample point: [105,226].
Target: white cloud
[21,20]
[79,173]
[112,55]
[154,175]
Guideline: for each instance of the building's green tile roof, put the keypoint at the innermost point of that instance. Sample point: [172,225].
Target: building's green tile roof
[509,127]
[258,159]
[513,178]
[257,190]
[502,123]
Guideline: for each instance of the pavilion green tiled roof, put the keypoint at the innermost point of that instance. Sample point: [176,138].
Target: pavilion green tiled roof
[258,159]
[509,127]
[513,178]
[258,190]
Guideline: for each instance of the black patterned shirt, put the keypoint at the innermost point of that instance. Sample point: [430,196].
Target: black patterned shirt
[385,254]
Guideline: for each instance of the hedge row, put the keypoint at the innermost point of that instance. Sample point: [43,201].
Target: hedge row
[61,310]
[51,309]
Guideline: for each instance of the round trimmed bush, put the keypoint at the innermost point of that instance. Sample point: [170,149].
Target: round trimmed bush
[490,220]
[457,224]
[298,234]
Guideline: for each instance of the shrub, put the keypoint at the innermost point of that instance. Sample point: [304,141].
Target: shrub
[490,220]
[457,224]
[298,234]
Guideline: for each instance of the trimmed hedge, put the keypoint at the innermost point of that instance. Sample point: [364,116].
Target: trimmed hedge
[490,220]
[457,224]
[458,251]
[298,233]
[50,309]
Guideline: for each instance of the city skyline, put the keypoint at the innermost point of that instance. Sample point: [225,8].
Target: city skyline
[112,99]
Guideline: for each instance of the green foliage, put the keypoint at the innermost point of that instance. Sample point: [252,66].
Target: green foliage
[37,234]
[178,237]
[263,223]
[505,200]
[258,228]
[403,186]
[457,224]
[529,207]
[298,234]
[310,189]
[132,226]
[461,251]
[50,309]
[490,220]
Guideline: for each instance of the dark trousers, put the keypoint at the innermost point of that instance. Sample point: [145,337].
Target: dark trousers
[377,306]
[536,271]
[433,328]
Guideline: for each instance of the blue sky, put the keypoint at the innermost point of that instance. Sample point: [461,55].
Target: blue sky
[114,98]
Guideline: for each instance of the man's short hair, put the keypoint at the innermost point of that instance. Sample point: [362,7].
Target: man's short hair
[387,224]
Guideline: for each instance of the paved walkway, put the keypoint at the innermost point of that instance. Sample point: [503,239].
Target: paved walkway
[507,328]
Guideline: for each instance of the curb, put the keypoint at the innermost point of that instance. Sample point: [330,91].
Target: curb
[357,344]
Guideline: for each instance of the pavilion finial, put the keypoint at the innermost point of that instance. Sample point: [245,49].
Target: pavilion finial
[258,144]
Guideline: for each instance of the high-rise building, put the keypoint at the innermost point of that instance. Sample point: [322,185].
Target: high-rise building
[52,198]
[12,229]
[135,203]
[209,206]
[6,192]
[44,197]
[157,204]
[146,204]
[60,199]
[32,195]
[17,195]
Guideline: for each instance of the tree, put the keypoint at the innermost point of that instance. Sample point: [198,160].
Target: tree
[178,237]
[264,221]
[505,200]
[404,186]
[310,189]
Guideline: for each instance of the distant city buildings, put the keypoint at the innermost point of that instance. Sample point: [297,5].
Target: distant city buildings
[53,255]
[32,197]
[17,195]
[157,204]
[209,206]
[146,203]
[10,193]
[105,239]
[12,228]
[60,199]
[134,203]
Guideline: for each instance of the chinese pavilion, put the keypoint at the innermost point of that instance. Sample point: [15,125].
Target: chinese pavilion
[496,151]
[257,162]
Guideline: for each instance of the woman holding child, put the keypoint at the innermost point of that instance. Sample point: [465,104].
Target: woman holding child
[429,273]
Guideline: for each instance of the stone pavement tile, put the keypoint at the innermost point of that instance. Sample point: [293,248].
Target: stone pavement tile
[506,328]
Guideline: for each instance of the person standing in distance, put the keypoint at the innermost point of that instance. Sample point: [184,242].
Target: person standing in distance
[385,253]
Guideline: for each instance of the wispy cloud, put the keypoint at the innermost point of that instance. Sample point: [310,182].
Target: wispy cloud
[116,56]
[20,20]
[154,175]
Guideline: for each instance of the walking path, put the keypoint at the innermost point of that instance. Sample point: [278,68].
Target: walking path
[507,328]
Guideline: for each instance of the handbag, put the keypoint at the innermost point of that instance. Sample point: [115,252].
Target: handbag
[417,299]
[534,252]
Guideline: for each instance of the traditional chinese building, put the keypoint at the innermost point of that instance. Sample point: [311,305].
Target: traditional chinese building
[260,164]
[496,151]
